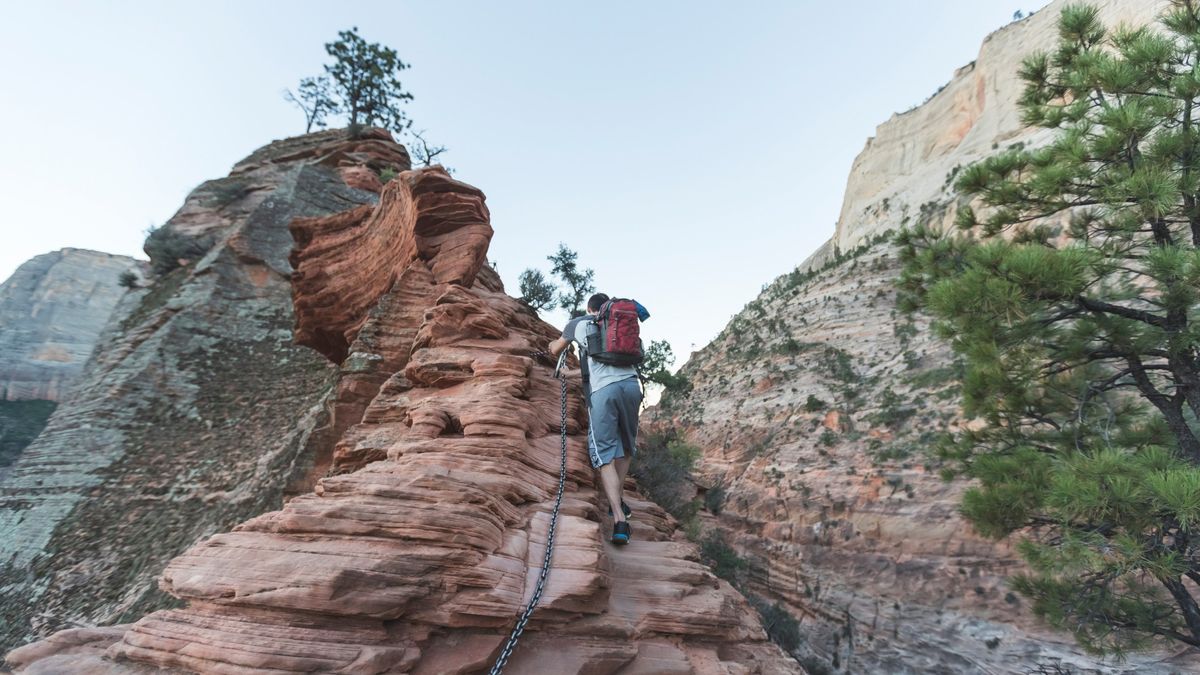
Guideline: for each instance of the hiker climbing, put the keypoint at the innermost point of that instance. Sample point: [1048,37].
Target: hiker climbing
[610,350]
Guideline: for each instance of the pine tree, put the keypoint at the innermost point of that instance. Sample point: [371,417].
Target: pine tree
[1072,296]
[364,76]
[314,97]
[536,291]
[579,282]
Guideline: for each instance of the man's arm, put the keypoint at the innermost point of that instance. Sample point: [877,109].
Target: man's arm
[558,345]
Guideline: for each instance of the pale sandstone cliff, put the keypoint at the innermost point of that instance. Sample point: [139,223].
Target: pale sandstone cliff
[816,407]
[419,553]
[902,175]
[195,412]
[52,310]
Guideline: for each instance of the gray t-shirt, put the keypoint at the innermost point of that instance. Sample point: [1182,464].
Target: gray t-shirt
[600,374]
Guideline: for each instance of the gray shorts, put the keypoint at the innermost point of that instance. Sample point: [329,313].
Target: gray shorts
[614,421]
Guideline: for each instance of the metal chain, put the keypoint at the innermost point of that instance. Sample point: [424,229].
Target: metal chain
[511,645]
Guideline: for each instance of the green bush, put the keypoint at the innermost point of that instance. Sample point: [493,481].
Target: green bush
[714,499]
[813,404]
[127,279]
[781,627]
[663,471]
[724,561]
[167,246]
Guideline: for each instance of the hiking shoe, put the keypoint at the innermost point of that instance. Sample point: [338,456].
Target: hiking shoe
[624,509]
[620,533]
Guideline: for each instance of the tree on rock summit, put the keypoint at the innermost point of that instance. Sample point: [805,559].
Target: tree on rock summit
[1074,300]
[362,83]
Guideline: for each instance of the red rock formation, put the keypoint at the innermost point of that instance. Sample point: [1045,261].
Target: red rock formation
[420,556]
[197,413]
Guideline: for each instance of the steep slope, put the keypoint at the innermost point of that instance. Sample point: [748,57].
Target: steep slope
[52,309]
[419,553]
[196,410]
[816,406]
[903,174]
[815,409]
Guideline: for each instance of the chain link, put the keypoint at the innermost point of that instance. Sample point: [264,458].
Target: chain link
[511,645]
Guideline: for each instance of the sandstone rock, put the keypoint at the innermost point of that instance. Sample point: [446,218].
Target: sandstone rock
[905,172]
[420,553]
[836,510]
[198,413]
[835,507]
[52,310]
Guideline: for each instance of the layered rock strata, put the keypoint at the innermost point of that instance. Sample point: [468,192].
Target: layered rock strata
[905,173]
[816,411]
[52,310]
[418,555]
[196,411]
[817,407]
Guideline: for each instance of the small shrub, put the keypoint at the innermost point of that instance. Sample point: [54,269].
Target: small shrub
[168,246]
[828,437]
[663,471]
[714,499]
[816,666]
[387,174]
[781,627]
[813,404]
[127,279]
[720,556]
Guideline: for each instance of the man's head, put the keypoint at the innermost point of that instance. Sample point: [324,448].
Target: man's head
[596,302]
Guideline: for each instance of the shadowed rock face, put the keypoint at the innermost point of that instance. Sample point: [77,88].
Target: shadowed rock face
[52,310]
[197,412]
[418,555]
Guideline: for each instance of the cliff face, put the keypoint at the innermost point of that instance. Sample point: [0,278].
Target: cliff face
[815,410]
[904,173]
[421,550]
[817,405]
[196,409]
[52,309]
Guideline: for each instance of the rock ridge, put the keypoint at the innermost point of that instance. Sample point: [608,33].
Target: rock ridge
[418,550]
[196,410]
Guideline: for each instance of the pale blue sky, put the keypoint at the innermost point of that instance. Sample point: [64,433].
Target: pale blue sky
[690,151]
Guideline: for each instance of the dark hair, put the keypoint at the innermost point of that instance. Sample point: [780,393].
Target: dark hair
[596,302]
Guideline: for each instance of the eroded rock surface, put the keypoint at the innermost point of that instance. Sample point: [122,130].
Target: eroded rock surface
[52,310]
[417,555]
[198,412]
[816,408]
[905,172]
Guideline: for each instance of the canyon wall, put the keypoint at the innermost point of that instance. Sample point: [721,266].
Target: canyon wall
[420,548]
[52,310]
[196,409]
[905,172]
[817,406]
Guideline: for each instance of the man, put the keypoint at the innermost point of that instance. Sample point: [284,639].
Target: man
[614,397]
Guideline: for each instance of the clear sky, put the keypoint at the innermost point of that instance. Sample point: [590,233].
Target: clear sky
[689,151]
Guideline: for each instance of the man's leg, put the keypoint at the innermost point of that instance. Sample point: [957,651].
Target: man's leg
[612,489]
[606,441]
[628,405]
[622,469]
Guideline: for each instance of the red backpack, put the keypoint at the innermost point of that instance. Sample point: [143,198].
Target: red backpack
[617,341]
